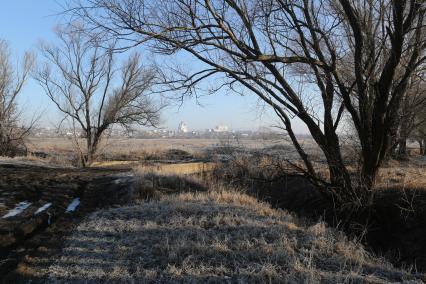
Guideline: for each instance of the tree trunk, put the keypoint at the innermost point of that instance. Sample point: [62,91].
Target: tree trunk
[92,147]
[90,154]
[372,155]
[402,139]
[422,147]
[83,161]
[341,187]
[402,148]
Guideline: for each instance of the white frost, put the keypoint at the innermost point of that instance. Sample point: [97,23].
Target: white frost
[42,208]
[20,207]
[73,205]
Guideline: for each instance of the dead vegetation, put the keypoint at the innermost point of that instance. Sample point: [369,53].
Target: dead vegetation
[394,225]
[218,236]
[192,229]
[139,149]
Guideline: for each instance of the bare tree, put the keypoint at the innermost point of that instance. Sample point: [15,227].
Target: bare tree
[419,131]
[420,136]
[12,133]
[353,57]
[411,117]
[81,79]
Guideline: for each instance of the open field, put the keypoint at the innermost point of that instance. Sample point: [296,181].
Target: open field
[115,146]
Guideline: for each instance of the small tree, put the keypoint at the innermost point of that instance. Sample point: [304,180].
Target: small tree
[12,133]
[81,79]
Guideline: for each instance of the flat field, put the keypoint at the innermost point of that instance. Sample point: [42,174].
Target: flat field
[130,145]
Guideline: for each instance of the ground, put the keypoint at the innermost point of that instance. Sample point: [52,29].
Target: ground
[47,193]
[174,220]
[219,236]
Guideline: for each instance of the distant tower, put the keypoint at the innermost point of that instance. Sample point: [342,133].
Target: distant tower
[183,128]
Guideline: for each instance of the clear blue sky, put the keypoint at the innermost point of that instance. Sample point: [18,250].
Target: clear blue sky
[23,23]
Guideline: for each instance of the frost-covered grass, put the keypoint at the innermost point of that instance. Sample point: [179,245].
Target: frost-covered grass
[220,236]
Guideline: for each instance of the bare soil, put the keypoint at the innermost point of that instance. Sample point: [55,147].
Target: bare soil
[30,234]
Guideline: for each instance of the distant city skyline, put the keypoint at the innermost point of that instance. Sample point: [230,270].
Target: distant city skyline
[30,22]
[182,132]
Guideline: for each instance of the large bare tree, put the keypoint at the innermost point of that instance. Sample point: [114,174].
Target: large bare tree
[12,79]
[82,80]
[354,58]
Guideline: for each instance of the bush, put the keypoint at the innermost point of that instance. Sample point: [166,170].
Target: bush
[12,141]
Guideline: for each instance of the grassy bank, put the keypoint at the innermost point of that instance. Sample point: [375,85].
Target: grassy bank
[216,236]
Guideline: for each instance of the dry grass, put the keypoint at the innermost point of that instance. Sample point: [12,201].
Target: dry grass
[35,161]
[139,148]
[217,236]
[410,174]
[248,166]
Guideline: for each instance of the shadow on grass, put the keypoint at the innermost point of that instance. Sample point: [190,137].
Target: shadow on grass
[175,241]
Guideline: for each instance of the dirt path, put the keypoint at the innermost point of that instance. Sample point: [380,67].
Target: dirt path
[39,205]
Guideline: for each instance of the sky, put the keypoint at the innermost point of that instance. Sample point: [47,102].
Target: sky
[24,23]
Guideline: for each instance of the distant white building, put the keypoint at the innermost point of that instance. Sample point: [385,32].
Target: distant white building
[183,128]
[220,128]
